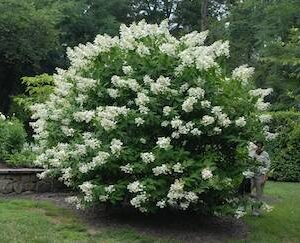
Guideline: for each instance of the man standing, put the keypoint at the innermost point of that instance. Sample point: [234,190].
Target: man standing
[259,178]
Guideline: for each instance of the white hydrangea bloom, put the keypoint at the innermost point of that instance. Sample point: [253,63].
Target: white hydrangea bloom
[101,158]
[207,120]
[184,87]
[196,132]
[2,117]
[139,121]
[240,212]
[110,189]
[161,204]
[261,92]
[116,146]
[176,122]
[161,170]
[206,174]
[142,50]
[175,135]
[205,104]
[135,187]
[223,120]
[85,84]
[243,73]
[168,48]
[216,110]
[69,132]
[167,110]
[138,200]
[261,105]
[165,123]
[265,118]
[188,104]
[107,115]
[194,38]
[164,142]
[178,168]
[142,99]
[198,92]
[44,174]
[270,136]
[161,85]
[147,80]
[127,70]
[240,122]
[147,157]
[128,169]
[113,93]
[85,116]
[217,130]
[87,188]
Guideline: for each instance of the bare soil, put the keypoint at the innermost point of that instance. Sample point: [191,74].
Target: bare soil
[3,165]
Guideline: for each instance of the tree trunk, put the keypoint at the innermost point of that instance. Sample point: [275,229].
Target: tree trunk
[204,15]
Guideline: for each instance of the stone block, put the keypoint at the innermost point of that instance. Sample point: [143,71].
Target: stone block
[43,186]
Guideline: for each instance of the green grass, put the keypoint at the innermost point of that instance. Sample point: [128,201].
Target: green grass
[28,221]
[283,223]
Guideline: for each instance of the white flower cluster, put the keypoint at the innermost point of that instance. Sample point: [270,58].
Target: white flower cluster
[147,157]
[161,170]
[116,146]
[206,174]
[265,118]
[74,200]
[183,128]
[87,188]
[223,119]
[240,212]
[85,116]
[261,94]
[108,191]
[243,73]
[178,197]
[240,122]
[194,94]
[207,120]
[107,116]
[66,176]
[128,169]
[164,142]
[161,85]
[100,159]
[2,117]
[135,187]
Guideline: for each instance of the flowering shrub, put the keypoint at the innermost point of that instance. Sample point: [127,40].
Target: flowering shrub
[151,120]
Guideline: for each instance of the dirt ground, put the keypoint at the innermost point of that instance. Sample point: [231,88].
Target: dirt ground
[2,165]
[177,226]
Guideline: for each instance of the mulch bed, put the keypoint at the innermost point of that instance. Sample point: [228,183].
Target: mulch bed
[178,226]
[3,165]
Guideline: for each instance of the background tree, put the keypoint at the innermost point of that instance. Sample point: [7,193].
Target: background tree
[259,33]
[27,36]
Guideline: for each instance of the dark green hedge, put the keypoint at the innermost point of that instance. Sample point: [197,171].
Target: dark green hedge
[285,149]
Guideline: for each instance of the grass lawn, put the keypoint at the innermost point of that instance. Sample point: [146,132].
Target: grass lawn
[28,221]
[283,223]
[40,221]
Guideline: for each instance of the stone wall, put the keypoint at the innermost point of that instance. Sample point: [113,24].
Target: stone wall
[25,180]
